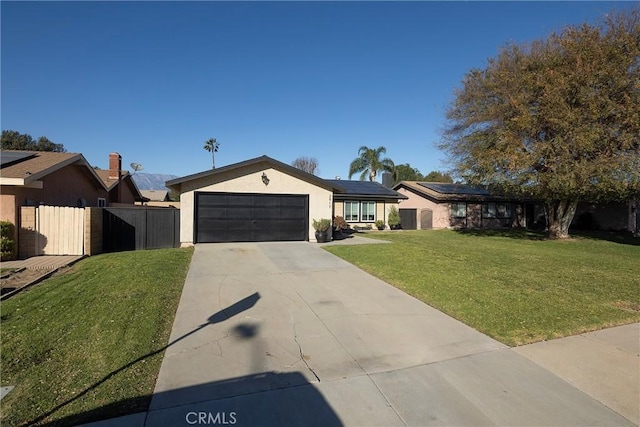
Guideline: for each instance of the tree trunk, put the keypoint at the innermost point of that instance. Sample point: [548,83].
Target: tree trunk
[560,214]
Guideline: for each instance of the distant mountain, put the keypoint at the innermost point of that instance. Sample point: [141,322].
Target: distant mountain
[152,181]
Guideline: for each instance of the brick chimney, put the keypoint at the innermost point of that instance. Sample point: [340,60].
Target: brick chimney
[115,165]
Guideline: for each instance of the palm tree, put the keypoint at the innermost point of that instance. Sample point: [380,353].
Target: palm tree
[211,145]
[369,163]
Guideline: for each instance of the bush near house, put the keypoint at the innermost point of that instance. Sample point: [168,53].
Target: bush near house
[394,217]
[7,244]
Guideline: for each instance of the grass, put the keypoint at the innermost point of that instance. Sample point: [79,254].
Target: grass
[515,286]
[88,344]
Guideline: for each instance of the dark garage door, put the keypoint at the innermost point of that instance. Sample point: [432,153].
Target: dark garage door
[240,217]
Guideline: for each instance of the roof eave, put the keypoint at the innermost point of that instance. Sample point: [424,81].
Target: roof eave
[176,184]
[368,197]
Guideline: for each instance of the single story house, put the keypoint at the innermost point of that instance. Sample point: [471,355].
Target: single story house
[362,203]
[612,216]
[156,195]
[263,199]
[121,187]
[442,205]
[33,178]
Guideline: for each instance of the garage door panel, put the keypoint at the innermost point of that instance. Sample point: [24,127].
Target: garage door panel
[240,217]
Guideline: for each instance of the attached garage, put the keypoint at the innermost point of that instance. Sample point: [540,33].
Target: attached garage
[260,199]
[250,217]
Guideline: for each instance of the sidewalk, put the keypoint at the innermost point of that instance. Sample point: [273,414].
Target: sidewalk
[604,364]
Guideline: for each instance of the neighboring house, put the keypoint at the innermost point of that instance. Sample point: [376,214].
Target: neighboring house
[120,184]
[442,205]
[262,199]
[613,216]
[159,199]
[33,178]
[156,195]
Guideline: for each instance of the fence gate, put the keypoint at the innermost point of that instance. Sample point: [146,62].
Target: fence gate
[134,228]
[60,230]
[408,219]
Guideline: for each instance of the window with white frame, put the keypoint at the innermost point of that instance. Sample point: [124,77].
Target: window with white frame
[102,202]
[352,211]
[359,211]
[368,211]
[458,210]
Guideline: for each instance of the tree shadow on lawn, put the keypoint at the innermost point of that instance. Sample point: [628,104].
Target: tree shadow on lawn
[511,233]
[135,404]
[620,237]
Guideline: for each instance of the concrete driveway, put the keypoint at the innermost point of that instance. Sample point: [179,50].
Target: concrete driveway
[288,334]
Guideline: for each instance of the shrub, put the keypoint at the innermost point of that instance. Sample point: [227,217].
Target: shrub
[339,223]
[322,224]
[7,244]
[380,224]
[394,217]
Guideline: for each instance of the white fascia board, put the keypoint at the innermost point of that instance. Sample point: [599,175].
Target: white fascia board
[12,181]
[19,182]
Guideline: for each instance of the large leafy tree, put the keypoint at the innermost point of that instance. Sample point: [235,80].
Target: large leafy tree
[212,146]
[406,172]
[368,163]
[557,120]
[437,176]
[307,164]
[13,140]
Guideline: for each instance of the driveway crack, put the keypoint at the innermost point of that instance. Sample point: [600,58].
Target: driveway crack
[302,356]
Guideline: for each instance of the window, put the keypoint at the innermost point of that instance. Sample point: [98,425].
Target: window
[368,211]
[458,210]
[359,211]
[496,210]
[489,210]
[102,202]
[504,210]
[351,211]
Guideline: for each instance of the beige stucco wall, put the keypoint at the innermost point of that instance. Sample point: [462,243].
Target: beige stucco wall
[249,180]
[440,210]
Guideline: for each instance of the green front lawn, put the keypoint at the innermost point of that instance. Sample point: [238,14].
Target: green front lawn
[88,344]
[514,286]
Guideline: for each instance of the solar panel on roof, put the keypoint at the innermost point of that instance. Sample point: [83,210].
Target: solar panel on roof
[363,188]
[9,157]
[443,188]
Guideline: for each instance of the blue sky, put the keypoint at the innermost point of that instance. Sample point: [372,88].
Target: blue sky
[154,80]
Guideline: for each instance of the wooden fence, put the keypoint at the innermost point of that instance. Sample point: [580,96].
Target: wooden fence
[58,230]
[134,228]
